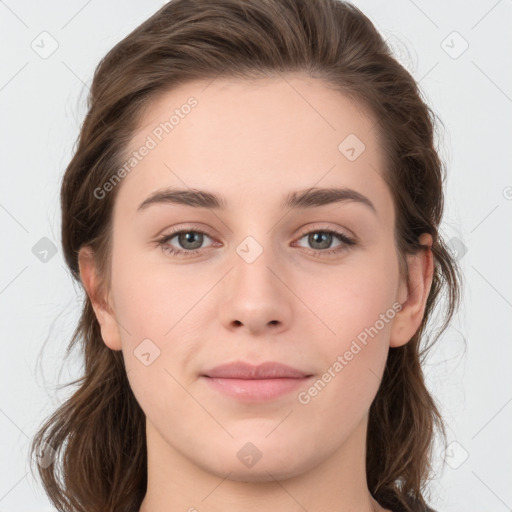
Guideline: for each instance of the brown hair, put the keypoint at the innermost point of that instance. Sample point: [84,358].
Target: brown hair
[99,432]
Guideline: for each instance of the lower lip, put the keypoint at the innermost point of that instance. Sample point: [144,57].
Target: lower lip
[256,390]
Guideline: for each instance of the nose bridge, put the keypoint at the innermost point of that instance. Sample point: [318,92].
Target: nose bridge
[255,257]
[254,235]
[257,245]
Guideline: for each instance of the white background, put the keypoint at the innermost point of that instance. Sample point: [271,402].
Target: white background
[43,104]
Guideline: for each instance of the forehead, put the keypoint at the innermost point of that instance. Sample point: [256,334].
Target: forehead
[253,140]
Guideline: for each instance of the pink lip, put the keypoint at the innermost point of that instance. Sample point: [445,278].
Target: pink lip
[255,383]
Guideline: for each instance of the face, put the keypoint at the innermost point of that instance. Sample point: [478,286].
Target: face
[313,285]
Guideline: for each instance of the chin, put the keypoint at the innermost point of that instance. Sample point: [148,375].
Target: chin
[245,462]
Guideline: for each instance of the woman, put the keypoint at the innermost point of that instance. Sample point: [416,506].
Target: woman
[274,363]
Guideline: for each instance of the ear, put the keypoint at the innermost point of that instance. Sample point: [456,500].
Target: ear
[413,293]
[102,309]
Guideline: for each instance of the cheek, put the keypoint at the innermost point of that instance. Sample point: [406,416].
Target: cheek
[161,310]
[149,300]
[352,297]
[358,309]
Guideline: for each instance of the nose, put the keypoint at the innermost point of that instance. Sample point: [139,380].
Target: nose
[256,295]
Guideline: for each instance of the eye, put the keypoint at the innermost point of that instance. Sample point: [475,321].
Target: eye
[321,240]
[190,239]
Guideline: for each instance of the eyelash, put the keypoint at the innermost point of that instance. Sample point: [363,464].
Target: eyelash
[347,242]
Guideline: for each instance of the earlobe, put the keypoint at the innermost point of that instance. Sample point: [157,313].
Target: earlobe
[104,313]
[413,294]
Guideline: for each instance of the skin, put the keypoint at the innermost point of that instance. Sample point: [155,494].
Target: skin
[254,142]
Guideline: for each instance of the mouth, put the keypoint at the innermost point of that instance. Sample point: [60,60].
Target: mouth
[249,383]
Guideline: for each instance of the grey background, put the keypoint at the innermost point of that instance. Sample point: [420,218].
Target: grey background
[42,98]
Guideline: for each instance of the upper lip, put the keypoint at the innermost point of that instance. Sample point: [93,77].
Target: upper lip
[267,370]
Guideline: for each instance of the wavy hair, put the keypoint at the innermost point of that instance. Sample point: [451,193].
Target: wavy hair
[98,433]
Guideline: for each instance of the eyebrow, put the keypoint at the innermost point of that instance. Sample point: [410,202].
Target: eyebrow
[298,200]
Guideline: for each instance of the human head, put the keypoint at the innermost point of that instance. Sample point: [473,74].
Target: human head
[332,42]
